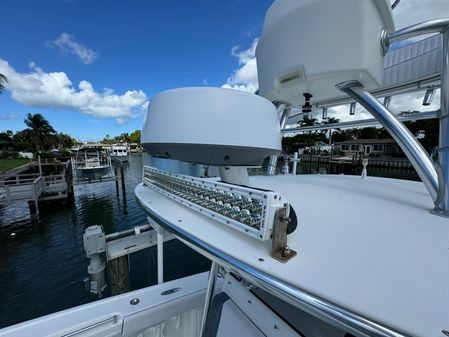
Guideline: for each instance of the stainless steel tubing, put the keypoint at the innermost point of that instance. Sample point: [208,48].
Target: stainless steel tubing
[442,205]
[361,123]
[127,232]
[409,144]
[428,27]
[424,84]
[283,111]
[209,295]
[271,169]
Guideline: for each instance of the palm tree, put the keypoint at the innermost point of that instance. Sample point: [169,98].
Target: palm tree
[308,121]
[331,120]
[3,81]
[40,129]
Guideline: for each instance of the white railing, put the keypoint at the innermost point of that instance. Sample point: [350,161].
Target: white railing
[29,186]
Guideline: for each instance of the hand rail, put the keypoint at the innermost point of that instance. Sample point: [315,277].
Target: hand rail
[435,26]
[405,88]
[409,144]
[423,28]
[361,122]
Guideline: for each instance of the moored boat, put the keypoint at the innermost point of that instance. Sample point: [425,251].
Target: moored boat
[119,152]
[91,164]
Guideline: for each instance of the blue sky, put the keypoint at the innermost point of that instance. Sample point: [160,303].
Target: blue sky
[140,47]
[91,66]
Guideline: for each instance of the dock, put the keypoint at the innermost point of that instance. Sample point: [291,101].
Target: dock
[32,188]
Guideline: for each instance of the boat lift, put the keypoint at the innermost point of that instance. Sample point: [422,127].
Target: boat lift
[120,245]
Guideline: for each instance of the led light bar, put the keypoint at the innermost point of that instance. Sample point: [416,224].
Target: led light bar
[249,210]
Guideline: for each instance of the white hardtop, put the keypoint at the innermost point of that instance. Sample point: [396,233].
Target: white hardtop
[119,147]
[371,246]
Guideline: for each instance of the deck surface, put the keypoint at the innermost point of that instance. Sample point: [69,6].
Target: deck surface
[371,246]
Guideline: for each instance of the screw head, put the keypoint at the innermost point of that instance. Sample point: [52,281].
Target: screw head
[134,301]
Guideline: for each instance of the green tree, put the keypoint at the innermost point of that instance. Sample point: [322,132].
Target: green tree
[63,141]
[23,141]
[123,138]
[40,130]
[429,128]
[135,137]
[330,132]
[6,140]
[3,81]
[107,140]
[308,121]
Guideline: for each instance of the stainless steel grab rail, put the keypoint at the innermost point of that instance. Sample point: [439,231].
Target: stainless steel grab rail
[327,311]
[409,144]
[423,28]
[361,123]
[430,27]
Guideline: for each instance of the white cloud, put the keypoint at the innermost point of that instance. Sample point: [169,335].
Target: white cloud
[409,12]
[120,121]
[40,89]
[245,77]
[67,44]
[9,116]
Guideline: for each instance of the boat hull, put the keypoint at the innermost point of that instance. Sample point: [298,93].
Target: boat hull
[93,173]
[120,158]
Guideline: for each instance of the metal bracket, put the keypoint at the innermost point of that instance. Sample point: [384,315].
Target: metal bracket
[279,249]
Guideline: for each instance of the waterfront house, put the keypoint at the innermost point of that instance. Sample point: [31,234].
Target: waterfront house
[380,147]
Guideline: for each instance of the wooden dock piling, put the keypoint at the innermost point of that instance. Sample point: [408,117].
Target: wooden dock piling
[122,178]
[118,272]
[116,180]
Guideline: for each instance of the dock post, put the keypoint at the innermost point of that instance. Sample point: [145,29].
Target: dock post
[118,270]
[34,208]
[122,178]
[69,181]
[40,164]
[116,180]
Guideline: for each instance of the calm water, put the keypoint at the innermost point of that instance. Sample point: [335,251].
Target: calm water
[42,267]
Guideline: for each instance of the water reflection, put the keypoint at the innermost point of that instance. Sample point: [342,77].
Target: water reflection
[43,265]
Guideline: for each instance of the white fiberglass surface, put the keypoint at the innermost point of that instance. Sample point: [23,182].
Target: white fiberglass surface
[370,245]
[159,311]
[234,323]
[186,324]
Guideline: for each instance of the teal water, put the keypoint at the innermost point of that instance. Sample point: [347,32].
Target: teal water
[42,267]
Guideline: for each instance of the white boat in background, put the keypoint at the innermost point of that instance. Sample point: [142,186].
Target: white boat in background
[292,255]
[119,152]
[90,164]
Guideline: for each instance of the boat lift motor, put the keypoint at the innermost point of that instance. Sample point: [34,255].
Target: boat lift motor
[94,245]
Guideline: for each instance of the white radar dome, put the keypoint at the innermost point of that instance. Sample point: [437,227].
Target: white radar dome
[213,126]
